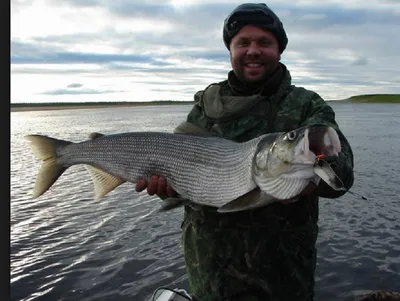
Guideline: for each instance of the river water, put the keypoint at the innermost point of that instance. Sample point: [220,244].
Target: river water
[66,246]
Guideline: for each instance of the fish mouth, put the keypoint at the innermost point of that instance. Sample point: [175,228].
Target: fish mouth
[322,141]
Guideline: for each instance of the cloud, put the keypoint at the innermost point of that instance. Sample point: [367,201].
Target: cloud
[361,61]
[29,53]
[146,48]
[74,85]
[78,92]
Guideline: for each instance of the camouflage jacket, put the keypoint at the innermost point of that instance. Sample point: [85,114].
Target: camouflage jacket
[267,253]
[241,118]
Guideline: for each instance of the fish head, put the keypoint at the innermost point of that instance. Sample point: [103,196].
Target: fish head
[295,151]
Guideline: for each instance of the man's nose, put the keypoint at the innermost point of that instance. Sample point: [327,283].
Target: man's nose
[253,49]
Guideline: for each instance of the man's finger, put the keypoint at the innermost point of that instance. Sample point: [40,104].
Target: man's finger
[152,186]
[309,189]
[161,186]
[288,201]
[141,185]
[170,191]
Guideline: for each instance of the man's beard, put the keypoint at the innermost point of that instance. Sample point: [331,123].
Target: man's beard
[269,69]
[240,75]
[239,72]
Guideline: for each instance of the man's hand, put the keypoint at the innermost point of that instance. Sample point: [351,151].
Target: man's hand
[156,185]
[306,191]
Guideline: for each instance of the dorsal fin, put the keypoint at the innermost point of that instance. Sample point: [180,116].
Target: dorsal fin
[95,135]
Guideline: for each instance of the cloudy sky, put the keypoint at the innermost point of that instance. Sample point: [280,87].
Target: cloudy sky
[131,50]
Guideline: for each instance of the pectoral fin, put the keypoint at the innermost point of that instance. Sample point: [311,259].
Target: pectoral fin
[103,182]
[175,202]
[328,175]
[253,199]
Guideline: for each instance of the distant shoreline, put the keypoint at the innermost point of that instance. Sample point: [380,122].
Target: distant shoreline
[26,107]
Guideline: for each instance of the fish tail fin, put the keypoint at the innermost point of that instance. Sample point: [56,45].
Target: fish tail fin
[45,148]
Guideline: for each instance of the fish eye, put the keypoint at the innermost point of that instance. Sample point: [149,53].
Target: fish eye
[291,135]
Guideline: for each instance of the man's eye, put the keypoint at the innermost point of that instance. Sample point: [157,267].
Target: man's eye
[243,43]
[265,43]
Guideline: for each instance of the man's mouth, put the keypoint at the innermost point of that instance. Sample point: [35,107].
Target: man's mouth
[253,65]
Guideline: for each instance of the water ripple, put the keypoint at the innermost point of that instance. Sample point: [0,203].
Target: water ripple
[67,246]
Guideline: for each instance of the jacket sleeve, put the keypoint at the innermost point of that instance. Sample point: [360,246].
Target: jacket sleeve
[319,112]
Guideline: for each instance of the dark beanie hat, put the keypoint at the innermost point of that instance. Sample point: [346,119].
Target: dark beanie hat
[258,14]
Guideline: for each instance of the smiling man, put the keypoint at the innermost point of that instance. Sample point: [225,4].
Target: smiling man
[267,253]
[254,54]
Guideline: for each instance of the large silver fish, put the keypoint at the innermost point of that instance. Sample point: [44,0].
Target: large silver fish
[203,170]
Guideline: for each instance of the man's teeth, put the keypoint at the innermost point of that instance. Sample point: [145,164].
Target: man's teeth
[254,65]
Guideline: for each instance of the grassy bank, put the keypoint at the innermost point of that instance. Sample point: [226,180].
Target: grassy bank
[19,107]
[376,98]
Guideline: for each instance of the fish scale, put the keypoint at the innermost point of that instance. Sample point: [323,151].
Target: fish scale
[136,155]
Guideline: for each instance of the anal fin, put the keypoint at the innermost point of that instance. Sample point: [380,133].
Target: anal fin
[103,182]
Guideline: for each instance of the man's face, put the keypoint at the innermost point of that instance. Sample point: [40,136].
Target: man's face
[254,54]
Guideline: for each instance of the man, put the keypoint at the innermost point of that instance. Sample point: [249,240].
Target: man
[267,253]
